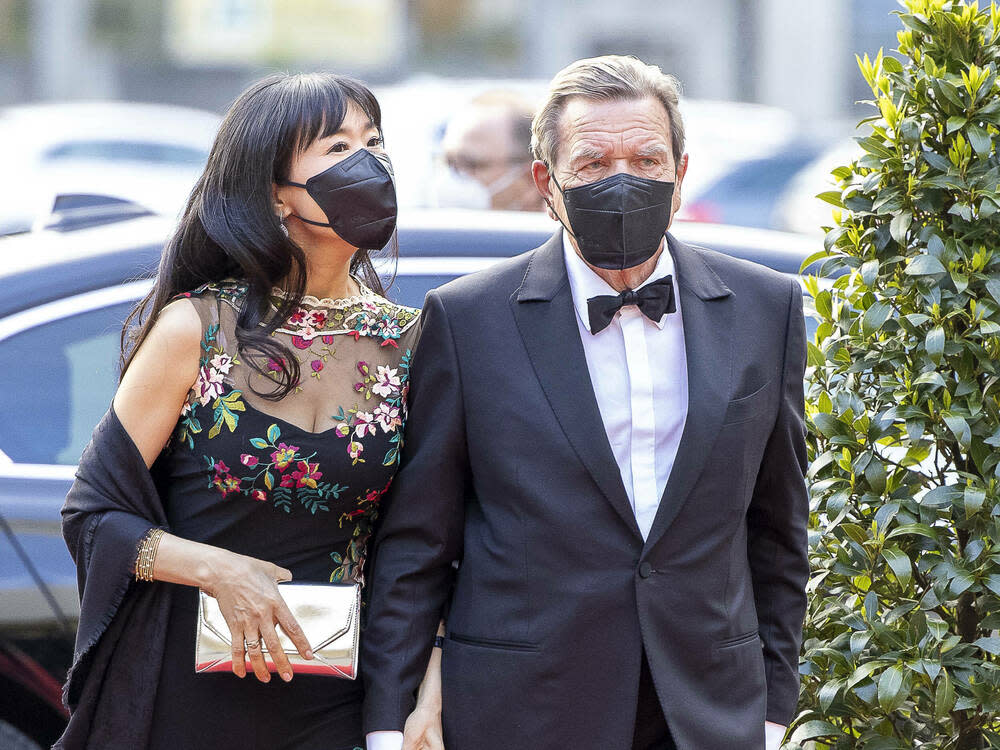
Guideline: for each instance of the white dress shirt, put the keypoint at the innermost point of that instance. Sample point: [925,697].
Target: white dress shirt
[638,368]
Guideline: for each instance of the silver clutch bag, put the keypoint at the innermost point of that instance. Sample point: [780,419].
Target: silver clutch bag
[328,613]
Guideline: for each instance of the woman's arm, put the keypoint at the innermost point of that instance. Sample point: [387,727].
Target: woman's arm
[148,403]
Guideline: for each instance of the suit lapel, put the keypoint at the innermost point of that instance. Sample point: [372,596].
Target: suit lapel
[706,309]
[546,319]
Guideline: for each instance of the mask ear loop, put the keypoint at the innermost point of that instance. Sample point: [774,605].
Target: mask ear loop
[307,221]
[562,192]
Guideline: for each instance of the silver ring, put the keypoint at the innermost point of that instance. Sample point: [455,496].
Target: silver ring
[252,644]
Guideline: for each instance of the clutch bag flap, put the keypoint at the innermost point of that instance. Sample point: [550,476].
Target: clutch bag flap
[328,613]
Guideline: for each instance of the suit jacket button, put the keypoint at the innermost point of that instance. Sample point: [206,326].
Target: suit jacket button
[645,570]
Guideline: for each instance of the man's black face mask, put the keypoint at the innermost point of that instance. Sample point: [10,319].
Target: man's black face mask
[618,222]
[358,196]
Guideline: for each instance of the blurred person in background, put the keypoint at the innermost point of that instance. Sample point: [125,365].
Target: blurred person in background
[486,155]
[257,423]
[608,433]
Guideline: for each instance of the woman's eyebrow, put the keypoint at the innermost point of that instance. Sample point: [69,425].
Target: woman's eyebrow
[370,125]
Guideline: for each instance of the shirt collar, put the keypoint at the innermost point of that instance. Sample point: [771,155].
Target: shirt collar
[584,283]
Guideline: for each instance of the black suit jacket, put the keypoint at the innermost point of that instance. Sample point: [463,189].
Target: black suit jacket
[507,467]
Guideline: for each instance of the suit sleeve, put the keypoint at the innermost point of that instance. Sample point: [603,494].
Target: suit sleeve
[777,522]
[421,530]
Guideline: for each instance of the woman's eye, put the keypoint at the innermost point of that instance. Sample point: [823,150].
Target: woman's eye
[374,141]
[338,148]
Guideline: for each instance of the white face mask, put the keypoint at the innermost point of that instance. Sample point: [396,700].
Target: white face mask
[452,189]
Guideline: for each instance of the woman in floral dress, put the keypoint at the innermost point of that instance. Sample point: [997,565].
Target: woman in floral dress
[264,383]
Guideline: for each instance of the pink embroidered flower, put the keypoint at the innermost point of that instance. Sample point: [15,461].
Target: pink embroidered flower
[343,429]
[259,495]
[209,385]
[220,467]
[328,340]
[364,424]
[388,381]
[354,449]
[387,416]
[308,333]
[225,483]
[284,456]
[297,317]
[247,460]
[316,364]
[300,343]
[307,474]
[287,480]
[222,363]
[316,318]
[275,365]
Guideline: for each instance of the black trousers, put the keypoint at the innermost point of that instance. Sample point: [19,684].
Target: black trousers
[651,732]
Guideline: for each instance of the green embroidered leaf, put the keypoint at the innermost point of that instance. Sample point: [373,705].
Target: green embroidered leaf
[269,480]
[273,433]
[258,442]
[216,429]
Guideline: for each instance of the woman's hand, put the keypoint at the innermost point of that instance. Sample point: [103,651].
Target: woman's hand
[423,729]
[248,596]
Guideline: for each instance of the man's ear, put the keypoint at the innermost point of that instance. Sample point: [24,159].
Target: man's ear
[675,202]
[543,184]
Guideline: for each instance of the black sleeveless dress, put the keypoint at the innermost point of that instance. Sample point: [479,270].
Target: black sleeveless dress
[274,481]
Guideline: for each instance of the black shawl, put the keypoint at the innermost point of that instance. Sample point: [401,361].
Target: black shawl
[111,686]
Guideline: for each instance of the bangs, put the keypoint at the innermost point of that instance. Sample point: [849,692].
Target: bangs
[318,106]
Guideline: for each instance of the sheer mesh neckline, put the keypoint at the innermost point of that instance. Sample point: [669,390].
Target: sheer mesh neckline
[339,303]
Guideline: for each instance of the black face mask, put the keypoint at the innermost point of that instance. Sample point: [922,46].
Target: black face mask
[618,222]
[358,196]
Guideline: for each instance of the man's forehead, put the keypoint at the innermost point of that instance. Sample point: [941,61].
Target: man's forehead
[587,122]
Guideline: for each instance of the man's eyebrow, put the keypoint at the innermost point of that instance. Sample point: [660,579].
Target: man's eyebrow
[653,149]
[586,152]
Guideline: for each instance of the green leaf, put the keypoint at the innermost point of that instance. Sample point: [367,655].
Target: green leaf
[899,563]
[832,197]
[273,433]
[992,582]
[899,226]
[816,357]
[925,265]
[269,480]
[973,500]
[919,529]
[989,645]
[955,122]
[981,143]
[874,317]
[828,693]
[934,343]
[944,696]
[930,378]
[813,729]
[960,428]
[891,689]
[258,442]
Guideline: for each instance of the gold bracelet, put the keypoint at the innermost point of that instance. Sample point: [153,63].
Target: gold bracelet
[147,555]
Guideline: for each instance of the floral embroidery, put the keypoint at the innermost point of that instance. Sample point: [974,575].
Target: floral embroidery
[273,478]
[210,388]
[351,564]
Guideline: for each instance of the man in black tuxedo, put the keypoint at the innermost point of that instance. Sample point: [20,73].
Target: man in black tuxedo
[607,433]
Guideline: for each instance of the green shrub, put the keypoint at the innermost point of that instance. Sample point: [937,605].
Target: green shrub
[901,639]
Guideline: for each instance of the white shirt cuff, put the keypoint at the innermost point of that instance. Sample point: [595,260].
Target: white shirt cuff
[773,735]
[384,740]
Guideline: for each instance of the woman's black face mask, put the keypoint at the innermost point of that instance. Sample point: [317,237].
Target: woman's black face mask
[618,222]
[358,196]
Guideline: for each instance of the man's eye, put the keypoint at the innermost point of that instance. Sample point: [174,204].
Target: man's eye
[647,162]
[592,165]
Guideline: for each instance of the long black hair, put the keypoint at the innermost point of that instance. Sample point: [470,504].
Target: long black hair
[229,228]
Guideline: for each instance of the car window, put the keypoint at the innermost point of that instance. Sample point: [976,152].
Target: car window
[59,379]
[157,153]
[411,290]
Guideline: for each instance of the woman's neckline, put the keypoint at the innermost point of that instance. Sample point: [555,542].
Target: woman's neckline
[335,302]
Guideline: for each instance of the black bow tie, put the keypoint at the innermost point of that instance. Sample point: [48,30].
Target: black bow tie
[653,300]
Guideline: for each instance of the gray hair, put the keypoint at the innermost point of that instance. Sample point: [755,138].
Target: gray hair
[606,78]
